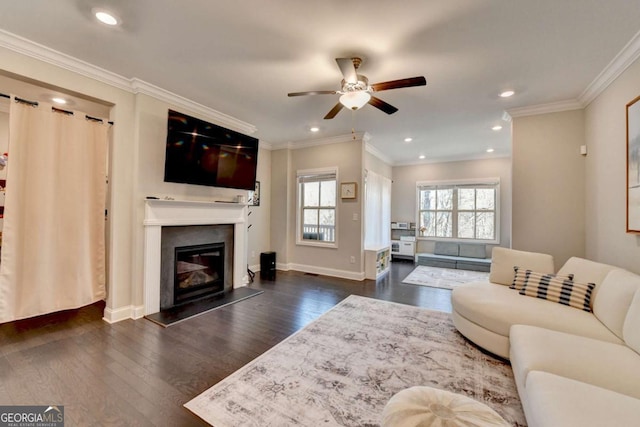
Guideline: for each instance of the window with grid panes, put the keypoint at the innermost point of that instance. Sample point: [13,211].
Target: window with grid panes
[459,211]
[317,207]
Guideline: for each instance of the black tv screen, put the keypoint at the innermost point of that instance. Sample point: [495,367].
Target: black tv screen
[202,153]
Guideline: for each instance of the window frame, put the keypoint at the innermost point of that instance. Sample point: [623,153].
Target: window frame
[300,209]
[455,184]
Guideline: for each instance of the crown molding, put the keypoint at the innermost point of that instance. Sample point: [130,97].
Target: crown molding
[627,56]
[553,107]
[379,154]
[140,86]
[452,159]
[50,56]
[43,53]
[366,137]
[357,136]
[266,145]
[623,60]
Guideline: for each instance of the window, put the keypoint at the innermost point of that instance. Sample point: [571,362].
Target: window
[317,207]
[463,211]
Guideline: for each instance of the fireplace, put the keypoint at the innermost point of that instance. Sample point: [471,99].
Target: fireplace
[171,223]
[196,261]
[199,272]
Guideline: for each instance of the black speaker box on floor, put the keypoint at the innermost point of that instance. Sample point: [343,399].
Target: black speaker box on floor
[268,265]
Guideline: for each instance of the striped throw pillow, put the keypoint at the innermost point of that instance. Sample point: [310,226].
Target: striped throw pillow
[563,291]
[523,275]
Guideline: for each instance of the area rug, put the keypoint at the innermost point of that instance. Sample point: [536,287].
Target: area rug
[342,369]
[445,278]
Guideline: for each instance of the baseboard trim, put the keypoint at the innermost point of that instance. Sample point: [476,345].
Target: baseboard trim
[283,267]
[119,314]
[343,274]
[138,312]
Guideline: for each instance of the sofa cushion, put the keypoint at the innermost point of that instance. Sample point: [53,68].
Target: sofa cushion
[496,308]
[586,271]
[612,366]
[554,401]
[631,328]
[471,250]
[503,261]
[522,275]
[490,341]
[475,265]
[446,248]
[562,291]
[614,298]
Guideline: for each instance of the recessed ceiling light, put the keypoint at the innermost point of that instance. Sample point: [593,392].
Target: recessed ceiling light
[59,100]
[408,139]
[490,150]
[507,93]
[106,17]
[496,127]
[422,156]
[314,129]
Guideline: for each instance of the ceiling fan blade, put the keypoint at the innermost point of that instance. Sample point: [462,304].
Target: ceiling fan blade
[397,84]
[381,105]
[335,110]
[313,92]
[348,70]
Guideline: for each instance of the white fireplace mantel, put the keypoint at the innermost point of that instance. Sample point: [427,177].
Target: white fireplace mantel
[161,213]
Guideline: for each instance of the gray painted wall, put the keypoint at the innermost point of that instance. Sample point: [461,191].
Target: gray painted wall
[348,158]
[403,190]
[548,184]
[606,237]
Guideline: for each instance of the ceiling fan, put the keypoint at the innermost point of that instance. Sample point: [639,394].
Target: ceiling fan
[356,91]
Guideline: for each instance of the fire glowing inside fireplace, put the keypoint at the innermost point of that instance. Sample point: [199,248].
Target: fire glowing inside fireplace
[199,271]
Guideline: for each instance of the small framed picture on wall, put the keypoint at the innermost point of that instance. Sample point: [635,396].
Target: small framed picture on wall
[348,190]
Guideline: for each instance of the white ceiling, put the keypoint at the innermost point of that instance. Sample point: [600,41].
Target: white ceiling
[242,58]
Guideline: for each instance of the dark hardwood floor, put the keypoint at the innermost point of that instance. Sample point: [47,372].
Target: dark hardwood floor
[138,373]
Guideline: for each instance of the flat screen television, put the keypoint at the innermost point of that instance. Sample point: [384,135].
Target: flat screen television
[202,153]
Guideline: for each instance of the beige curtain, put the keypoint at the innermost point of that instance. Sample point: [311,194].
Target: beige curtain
[53,245]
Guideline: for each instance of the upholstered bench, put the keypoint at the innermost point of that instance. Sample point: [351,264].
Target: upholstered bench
[463,256]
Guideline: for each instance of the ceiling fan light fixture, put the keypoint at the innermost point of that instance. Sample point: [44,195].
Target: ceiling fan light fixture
[355,100]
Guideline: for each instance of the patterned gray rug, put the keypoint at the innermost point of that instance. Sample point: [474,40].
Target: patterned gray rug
[341,370]
[446,278]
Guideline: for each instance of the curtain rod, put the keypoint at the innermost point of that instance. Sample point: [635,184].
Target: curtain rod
[60,110]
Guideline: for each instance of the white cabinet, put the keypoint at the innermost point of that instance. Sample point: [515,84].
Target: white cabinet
[376,262]
[403,239]
[405,248]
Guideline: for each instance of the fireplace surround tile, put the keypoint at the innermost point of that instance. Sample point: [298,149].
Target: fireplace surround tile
[179,236]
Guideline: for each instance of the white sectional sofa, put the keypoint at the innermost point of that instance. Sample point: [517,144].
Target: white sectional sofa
[572,367]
